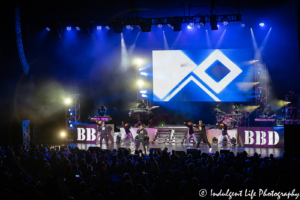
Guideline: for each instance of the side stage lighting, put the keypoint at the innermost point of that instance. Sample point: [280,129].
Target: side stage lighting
[140,83]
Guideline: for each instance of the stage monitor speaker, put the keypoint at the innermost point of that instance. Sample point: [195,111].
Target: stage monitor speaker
[225,152]
[191,151]
[91,149]
[180,153]
[155,149]
[62,148]
[291,139]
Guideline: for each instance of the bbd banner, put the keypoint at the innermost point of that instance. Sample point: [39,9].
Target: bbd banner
[87,133]
[261,136]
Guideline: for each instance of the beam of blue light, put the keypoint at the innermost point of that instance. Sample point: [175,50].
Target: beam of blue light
[144,74]
[189,27]
[166,46]
[143,95]
[143,91]
[261,24]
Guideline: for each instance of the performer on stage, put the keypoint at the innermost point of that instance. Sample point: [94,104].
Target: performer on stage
[142,104]
[142,133]
[202,134]
[269,112]
[223,127]
[190,126]
[128,134]
[102,110]
[102,133]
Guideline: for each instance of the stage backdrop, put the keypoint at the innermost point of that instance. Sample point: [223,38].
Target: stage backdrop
[86,133]
[261,136]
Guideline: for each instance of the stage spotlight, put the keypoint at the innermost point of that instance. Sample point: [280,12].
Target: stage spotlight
[77,28]
[144,74]
[189,27]
[107,27]
[71,125]
[143,95]
[99,27]
[225,21]
[191,23]
[67,101]
[62,134]
[69,28]
[262,24]
[218,25]
[198,25]
[159,25]
[138,61]
[140,83]
[169,25]
[243,25]
[143,91]
[48,29]
[202,21]
[128,26]
[131,28]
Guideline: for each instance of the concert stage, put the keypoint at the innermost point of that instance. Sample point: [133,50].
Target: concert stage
[277,152]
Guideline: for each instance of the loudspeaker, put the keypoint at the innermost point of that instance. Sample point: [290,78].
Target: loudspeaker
[91,149]
[225,152]
[291,139]
[191,151]
[155,149]
[180,153]
[62,148]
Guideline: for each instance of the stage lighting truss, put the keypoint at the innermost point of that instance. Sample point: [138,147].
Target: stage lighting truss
[225,21]
[72,112]
[142,23]
[191,23]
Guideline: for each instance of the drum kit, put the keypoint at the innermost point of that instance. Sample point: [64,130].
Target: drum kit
[231,120]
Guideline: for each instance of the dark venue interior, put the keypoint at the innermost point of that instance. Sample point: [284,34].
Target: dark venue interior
[140,99]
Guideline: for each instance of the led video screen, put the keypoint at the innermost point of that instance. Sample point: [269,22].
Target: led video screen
[203,75]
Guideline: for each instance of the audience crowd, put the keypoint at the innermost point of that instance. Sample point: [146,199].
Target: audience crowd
[41,172]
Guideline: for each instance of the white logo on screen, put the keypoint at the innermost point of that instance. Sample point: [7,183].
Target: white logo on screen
[171,67]
[260,138]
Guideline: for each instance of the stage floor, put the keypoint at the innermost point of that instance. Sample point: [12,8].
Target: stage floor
[277,152]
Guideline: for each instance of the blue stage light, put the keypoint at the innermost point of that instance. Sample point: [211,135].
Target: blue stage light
[262,24]
[69,28]
[144,74]
[143,95]
[189,27]
[48,29]
[99,27]
[143,91]
[77,28]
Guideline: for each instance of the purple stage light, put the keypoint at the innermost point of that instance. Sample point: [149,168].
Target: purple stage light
[262,24]
[69,28]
